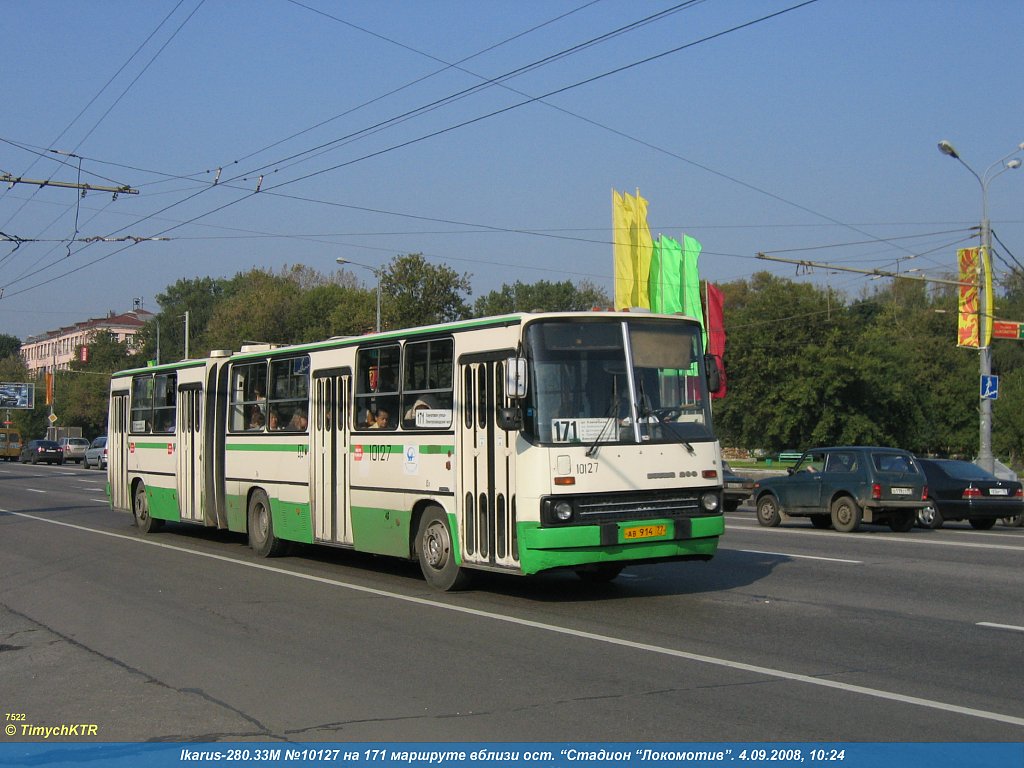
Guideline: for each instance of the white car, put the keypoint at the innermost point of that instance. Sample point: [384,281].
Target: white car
[74,448]
[96,454]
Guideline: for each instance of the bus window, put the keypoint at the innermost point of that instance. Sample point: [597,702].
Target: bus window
[248,397]
[377,371]
[142,403]
[289,393]
[165,402]
[427,385]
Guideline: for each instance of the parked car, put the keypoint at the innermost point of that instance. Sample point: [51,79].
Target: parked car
[74,448]
[96,454]
[844,486]
[960,490]
[737,488]
[36,451]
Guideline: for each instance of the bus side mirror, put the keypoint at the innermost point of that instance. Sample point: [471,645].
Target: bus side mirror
[509,419]
[515,378]
[711,372]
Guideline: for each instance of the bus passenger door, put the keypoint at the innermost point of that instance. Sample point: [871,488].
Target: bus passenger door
[117,452]
[329,458]
[190,450]
[487,511]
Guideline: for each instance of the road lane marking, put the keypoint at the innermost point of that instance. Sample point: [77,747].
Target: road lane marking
[35,490]
[922,538]
[800,557]
[993,625]
[821,682]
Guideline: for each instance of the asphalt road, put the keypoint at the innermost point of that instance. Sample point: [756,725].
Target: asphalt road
[789,634]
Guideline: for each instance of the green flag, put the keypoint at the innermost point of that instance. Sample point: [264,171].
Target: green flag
[691,282]
[666,276]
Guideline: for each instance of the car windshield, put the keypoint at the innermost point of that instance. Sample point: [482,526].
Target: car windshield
[893,462]
[616,381]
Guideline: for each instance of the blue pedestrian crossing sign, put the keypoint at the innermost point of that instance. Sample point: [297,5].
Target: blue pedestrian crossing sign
[989,387]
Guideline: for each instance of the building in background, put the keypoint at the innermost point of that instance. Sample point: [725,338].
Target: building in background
[54,350]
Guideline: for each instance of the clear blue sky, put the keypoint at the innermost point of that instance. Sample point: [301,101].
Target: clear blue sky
[812,129]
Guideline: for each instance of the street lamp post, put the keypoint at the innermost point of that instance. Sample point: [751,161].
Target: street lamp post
[376,274]
[985,459]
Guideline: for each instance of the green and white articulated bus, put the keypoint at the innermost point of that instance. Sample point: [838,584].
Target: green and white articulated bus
[521,443]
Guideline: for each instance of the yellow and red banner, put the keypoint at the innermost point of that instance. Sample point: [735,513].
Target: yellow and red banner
[975,321]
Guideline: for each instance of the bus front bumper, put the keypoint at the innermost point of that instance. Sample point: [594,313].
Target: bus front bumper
[542,549]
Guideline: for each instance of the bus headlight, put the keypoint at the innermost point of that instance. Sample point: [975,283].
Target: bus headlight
[563,511]
[710,501]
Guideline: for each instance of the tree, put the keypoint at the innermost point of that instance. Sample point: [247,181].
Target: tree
[418,293]
[543,296]
[199,297]
[9,345]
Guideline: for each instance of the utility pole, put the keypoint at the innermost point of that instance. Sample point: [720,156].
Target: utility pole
[985,458]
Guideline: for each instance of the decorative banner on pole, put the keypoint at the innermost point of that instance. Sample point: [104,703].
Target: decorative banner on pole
[967,305]
[631,248]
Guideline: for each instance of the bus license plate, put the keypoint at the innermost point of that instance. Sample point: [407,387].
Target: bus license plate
[644,531]
[902,491]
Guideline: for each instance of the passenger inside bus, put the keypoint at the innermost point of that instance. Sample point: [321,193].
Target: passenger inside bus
[380,421]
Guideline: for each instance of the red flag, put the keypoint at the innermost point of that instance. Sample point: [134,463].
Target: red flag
[715,325]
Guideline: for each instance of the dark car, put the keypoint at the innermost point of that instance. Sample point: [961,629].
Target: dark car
[737,489]
[96,454]
[960,490]
[36,451]
[844,486]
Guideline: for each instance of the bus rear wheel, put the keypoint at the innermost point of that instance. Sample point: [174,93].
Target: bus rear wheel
[436,553]
[140,511]
[261,527]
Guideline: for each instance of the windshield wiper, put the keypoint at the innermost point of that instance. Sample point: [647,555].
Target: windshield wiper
[609,418]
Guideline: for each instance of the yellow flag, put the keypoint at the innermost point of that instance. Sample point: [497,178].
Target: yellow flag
[987,311]
[631,248]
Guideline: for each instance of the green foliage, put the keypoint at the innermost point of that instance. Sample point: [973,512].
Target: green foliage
[543,296]
[415,292]
[9,345]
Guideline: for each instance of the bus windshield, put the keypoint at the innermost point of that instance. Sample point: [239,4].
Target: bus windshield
[616,381]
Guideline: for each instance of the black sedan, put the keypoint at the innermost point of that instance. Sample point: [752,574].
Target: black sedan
[36,451]
[960,490]
[737,489]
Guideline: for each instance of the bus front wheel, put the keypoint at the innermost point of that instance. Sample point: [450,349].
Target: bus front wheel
[140,511]
[261,527]
[436,553]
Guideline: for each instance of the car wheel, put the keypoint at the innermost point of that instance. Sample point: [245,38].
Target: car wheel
[901,522]
[140,510]
[730,506]
[821,521]
[768,511]
[261,527]
[436,553]
[846,514]
[35,460]
[982,523]
[929,517]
